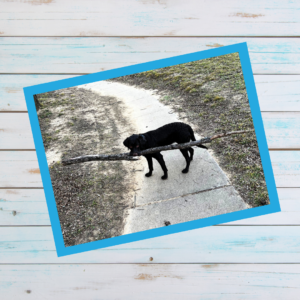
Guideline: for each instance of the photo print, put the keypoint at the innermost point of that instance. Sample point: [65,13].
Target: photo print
[152,149]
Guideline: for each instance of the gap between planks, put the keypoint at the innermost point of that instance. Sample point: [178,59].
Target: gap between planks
[146,263]
[156,36]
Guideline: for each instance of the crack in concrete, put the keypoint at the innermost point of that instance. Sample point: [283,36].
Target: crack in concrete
[194,193]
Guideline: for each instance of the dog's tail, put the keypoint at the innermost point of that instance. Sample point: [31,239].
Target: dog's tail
[194,139]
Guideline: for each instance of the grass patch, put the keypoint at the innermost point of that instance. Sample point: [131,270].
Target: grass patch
[211,93]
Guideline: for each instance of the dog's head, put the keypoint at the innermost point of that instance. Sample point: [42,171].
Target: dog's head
[135,143]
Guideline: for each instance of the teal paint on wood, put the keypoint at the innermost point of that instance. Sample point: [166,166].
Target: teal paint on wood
[23,207]
[286,166]
[78,55]
[215,244]
[282,129]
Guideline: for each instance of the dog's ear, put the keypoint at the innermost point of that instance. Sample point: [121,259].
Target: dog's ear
[126,143]
[142,139]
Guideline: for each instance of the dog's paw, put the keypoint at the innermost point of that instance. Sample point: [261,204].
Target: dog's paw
[148,174]
[184,171]
[164,177]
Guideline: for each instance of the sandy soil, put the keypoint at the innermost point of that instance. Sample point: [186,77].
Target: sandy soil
[92,198]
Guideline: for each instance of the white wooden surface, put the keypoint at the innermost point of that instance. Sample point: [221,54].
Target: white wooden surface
[145,281]
[149,18]
[46,40]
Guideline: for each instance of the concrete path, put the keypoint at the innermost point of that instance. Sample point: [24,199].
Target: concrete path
[205,191]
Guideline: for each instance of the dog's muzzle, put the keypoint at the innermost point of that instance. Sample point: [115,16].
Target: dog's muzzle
[135,153]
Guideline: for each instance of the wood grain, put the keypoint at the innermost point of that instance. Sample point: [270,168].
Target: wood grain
[149,18]
[280,93]
[178,281]
[78,55]
[19,207]
[286,167]
[282,129]
[21,169]
[214,244]
[15,131]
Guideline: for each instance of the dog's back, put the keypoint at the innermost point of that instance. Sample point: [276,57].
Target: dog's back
[172,133]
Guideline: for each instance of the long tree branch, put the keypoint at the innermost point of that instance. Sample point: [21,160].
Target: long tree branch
[125,156]
[85,158]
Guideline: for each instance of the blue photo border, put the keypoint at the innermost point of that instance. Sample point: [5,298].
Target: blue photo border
[242,49]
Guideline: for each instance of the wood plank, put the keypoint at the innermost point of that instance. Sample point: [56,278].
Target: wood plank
[41,55]
[235,282]
[282,130]
[20,207]
[11,89]
[15,131]
[278,93]
[23,171]
[150,18]
[23,207]
[214,244]
[286,168]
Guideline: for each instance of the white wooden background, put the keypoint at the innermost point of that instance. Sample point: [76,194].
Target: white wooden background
[46,40]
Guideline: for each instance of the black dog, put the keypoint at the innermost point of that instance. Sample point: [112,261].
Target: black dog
[165,135]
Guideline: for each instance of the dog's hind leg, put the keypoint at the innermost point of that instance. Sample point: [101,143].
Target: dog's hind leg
[150,165]
[187,159]
[161,161]
[191,150]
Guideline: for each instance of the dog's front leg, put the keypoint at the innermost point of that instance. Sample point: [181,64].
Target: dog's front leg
[161,161]
[150,165]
